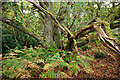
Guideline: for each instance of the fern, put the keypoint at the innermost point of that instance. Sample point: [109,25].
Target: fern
[97,42]
[73,68]
[12,67]
[85,64]
[44,63]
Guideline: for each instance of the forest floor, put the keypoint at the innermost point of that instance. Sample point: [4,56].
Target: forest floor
[107,67]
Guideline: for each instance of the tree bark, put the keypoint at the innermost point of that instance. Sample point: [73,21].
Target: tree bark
[116,25]
[48,27]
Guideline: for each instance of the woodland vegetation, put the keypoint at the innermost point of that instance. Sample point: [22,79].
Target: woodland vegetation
[60,39]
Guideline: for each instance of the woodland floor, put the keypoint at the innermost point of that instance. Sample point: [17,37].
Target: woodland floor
[108,67]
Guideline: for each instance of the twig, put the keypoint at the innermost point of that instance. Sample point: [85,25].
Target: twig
[19,10]
[75,17]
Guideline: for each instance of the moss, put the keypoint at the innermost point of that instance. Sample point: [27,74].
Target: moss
[98,20]
[100,55]
[85,48]
[35,33]
[117,41]
[112,15]
[106,26]
[107,29]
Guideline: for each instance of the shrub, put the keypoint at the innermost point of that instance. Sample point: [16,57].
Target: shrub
[11,39]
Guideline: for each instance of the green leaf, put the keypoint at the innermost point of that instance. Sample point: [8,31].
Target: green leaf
[18,51]
[47,66]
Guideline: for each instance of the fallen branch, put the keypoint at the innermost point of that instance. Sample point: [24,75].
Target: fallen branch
[107,41]
[82,32]
[94,26]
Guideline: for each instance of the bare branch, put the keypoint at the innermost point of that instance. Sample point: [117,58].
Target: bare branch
[75,17]
[20,10]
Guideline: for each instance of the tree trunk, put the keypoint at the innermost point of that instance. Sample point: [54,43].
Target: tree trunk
[57,37]
[48,26]
[56,31]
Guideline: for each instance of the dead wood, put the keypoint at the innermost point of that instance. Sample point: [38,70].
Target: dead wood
[107,41]
[94,26]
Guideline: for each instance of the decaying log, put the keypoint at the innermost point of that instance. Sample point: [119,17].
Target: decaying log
[107,41]
[94,26]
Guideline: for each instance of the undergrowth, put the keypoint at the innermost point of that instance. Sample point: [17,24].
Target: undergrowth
[39,62]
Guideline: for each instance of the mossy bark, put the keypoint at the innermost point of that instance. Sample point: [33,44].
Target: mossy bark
[108,29]
[57,37]
[56,30]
